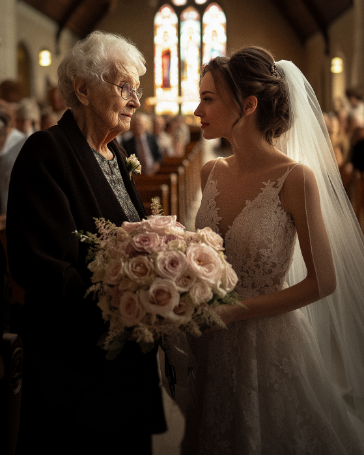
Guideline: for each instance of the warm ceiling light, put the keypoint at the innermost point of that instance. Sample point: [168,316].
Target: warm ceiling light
[45,58]
[336,65]
[200,2]
[179,2]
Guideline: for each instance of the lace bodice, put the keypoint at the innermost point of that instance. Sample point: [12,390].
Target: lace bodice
[259,244]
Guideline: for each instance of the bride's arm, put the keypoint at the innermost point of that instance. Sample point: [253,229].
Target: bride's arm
[300,198]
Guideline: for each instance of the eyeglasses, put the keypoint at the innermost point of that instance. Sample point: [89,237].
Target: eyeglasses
[127,90]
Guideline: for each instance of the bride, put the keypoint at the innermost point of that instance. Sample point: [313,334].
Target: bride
[287,373]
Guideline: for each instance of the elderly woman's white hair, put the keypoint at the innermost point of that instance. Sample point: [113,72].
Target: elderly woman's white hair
[93,57]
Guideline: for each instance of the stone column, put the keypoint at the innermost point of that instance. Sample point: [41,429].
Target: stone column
[8,58]
[357,70]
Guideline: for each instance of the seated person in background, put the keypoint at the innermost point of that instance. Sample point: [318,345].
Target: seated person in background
[11,141]
[48,118]
[356,110]
[164,140]
[27,116]
[56,102]
[340,110]
[339,140]
[180,132]
[143,145]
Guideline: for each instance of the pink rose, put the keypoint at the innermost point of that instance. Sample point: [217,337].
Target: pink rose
[161,224]
[211,238]
[130,309]
[113,271]
[200,292]
[183,312]
[185,280]
[139,269]
[205,261]
[160,298]
[170,264]
[147,242]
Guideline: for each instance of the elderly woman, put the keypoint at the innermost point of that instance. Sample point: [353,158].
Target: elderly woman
[74,400]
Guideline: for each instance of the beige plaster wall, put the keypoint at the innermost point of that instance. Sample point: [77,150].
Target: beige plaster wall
[36,31]
[344,44]
[246,24]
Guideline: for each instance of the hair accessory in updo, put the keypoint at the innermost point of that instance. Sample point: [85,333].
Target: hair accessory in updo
[273,70]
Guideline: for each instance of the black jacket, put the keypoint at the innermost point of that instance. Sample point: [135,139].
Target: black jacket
[57,187]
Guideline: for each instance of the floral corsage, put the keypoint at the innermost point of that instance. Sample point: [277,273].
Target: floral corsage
[133,165]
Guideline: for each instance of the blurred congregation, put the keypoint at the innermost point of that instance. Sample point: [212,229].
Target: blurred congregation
[323,38]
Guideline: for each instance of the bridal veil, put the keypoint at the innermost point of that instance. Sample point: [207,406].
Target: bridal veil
[337,320]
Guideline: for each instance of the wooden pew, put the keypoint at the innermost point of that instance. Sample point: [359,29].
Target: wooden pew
[181,190]
[159,193]
[188,171]
[170,179]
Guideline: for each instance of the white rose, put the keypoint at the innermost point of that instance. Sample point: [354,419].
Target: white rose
[200,292]
[205,261]
[113,271]
[229,278]
[139,269]
[183,312]
[160,298]
[211,238]
[130,309]
[162,225]
[186,280]
[170,264]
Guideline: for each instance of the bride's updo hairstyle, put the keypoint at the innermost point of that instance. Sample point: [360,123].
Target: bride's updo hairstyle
[251,71]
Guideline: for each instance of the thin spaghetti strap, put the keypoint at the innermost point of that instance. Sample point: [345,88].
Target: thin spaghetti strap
[285,175]
[212,170]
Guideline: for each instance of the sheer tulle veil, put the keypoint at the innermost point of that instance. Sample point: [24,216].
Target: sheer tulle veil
[337,320]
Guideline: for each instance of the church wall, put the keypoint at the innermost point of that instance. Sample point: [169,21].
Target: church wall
[345,37]
[38,32]
[245,25]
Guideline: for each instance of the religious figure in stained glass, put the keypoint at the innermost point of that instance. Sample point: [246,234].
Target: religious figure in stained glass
[166,68]
[214,33]
[190,36]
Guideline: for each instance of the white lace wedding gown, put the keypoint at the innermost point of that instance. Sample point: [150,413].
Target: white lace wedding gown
[260,387]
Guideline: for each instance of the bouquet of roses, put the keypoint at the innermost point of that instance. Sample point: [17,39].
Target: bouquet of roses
[153,278]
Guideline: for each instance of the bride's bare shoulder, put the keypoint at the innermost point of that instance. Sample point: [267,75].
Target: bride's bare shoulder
[299,187]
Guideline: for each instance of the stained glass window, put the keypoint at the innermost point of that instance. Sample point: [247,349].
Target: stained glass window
[214,33]
[166,60]
[177,75]
[190,44]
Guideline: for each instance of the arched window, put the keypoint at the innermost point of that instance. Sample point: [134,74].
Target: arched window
[177,51]
[166,60]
